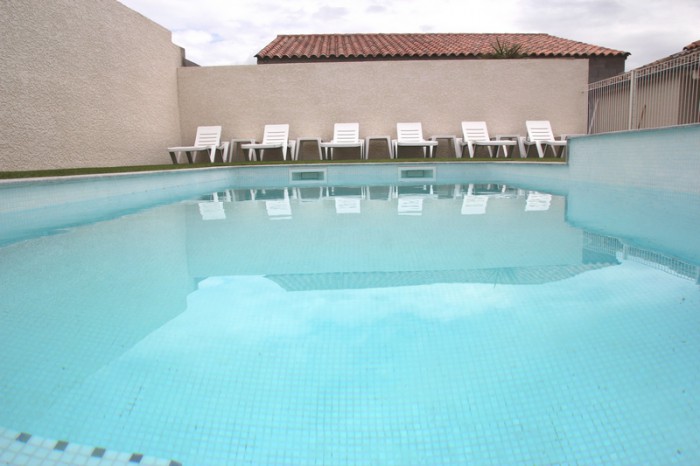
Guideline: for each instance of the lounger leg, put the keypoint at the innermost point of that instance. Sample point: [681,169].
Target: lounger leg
[521,146]
[540,150]
[174,156]
[190,157]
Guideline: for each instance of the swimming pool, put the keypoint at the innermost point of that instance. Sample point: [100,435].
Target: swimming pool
[467,321]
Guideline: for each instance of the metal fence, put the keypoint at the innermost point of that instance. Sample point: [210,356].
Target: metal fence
[664,93]
[623,252]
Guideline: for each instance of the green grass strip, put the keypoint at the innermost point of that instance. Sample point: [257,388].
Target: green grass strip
[144,168]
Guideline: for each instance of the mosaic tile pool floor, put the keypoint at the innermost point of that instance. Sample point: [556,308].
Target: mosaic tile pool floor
[193,341]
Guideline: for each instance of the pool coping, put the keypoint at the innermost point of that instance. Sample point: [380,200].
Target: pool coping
[529,162]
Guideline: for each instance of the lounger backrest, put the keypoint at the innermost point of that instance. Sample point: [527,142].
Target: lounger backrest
[539,130]
[276,134]
[348,133]
[208,136]
[409,132]
[475,131]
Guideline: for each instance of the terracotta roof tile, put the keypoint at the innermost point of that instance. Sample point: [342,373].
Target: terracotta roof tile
[379,46]
[692,45]
[689,51]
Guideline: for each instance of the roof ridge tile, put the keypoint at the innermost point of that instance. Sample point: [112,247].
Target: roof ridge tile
[391,45]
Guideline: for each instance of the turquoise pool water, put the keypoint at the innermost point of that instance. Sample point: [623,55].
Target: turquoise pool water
[452,323]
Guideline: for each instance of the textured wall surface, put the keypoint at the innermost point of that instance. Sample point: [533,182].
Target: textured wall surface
[662,159]
[440,94]
[84,83]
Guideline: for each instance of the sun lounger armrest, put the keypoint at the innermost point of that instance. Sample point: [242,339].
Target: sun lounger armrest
[189,148]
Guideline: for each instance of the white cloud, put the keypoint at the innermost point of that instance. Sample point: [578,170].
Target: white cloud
[218,32]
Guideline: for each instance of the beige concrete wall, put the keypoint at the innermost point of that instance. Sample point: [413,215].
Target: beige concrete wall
[440,94]
[84,83]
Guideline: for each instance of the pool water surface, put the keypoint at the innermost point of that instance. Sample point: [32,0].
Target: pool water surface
[467,323]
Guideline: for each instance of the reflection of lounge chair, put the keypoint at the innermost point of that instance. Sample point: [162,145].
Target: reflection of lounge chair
[347,191]
[274,137]
[411,135]
[208,139]
[384,193]
[212,210]
[347,205]
[537,201]
[410,205]
[424,190]
[474,205]
[345,135]
[310,193]
[447,191]
[539,134]
[347,198]
[476,134]
[490,189]
[279,208]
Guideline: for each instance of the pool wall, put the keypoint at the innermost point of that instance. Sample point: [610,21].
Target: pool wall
[28,207]
[666,159]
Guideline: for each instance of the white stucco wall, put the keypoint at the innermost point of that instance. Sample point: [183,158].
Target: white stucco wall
[440,94]
[84,83]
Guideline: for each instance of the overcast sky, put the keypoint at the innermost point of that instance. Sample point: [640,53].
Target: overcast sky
[225,32]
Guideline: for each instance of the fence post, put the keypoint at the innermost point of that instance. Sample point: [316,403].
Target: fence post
[633,99]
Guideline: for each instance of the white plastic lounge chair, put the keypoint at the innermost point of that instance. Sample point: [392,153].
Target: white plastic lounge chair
[411,135]
[539,134]
[476,134]
[274,137]
[344,135]
[208,139]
